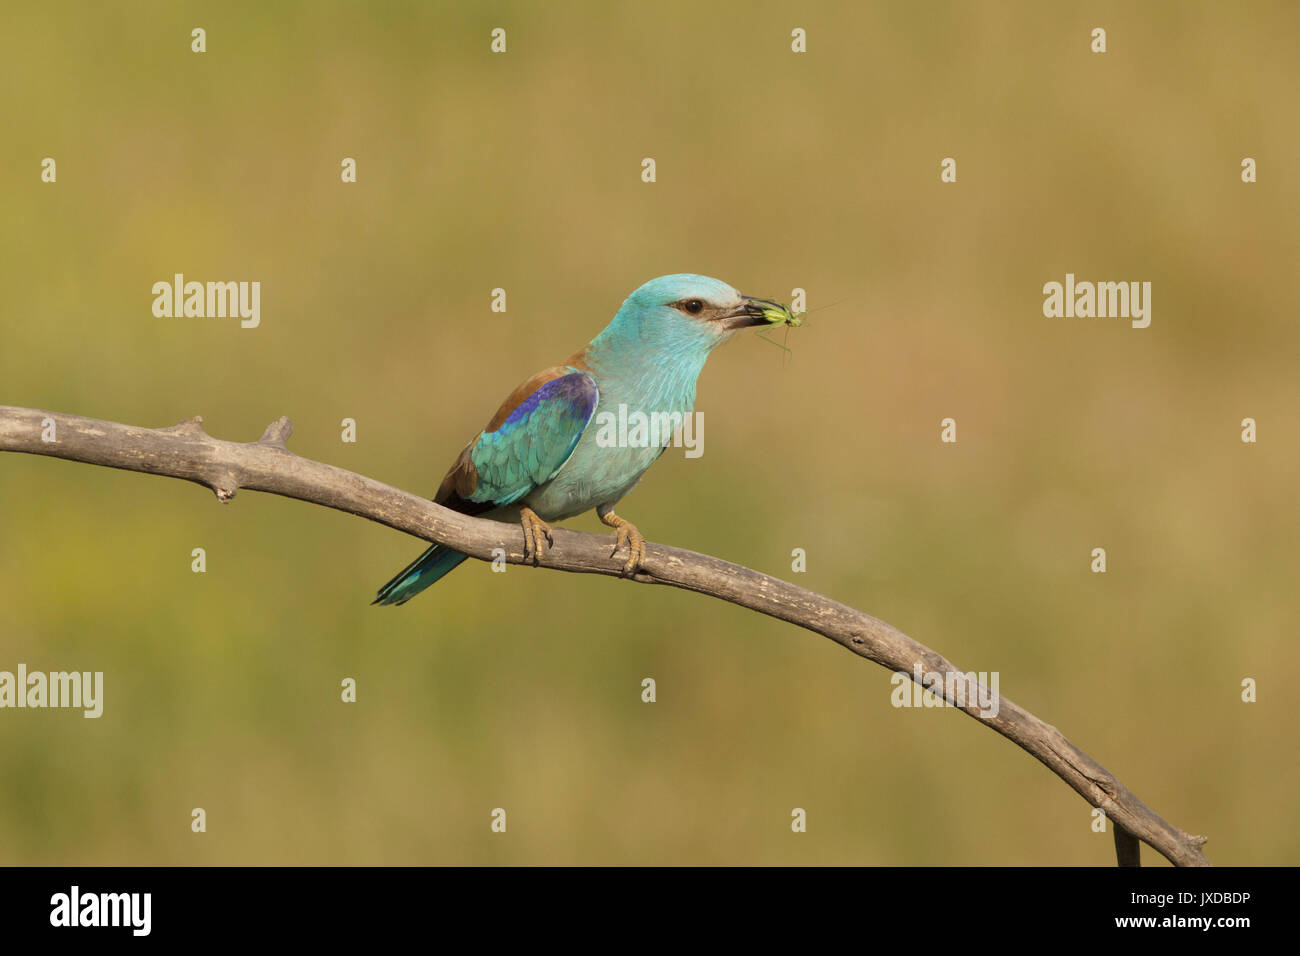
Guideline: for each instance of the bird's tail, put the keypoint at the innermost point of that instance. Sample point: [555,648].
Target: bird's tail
[419,574]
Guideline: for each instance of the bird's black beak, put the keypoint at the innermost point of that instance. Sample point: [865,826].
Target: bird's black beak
[750,312]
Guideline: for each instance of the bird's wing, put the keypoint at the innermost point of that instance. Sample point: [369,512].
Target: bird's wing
[527,441]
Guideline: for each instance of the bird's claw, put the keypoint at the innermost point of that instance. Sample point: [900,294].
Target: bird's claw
[627,534]
[537,535]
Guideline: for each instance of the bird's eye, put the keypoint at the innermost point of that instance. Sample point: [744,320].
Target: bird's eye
[693,306]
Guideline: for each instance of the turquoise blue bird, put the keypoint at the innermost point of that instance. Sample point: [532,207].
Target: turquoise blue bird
[541,459]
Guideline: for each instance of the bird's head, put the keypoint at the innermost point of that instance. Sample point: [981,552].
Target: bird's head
[691,312]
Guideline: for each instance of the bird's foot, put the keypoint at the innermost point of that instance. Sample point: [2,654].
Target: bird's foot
[625,533]
[537,535]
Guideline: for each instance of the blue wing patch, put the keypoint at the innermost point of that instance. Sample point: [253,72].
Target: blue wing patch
[535,441]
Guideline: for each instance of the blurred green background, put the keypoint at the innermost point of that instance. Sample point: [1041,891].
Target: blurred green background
[775,170]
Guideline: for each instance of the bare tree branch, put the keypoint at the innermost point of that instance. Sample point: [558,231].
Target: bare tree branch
[186,451]
[1128,852]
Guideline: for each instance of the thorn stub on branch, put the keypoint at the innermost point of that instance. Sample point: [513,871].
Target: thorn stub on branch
[224,487]
[277,433]
[1128,851]
[190,426]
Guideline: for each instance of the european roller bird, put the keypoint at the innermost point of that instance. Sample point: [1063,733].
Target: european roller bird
[538,460]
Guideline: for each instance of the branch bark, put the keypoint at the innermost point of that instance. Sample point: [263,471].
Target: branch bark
[186,451]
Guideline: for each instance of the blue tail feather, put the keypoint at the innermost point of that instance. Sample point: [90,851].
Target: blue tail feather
[419,574]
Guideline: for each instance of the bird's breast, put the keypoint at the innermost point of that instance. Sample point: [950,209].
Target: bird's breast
[626,434]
